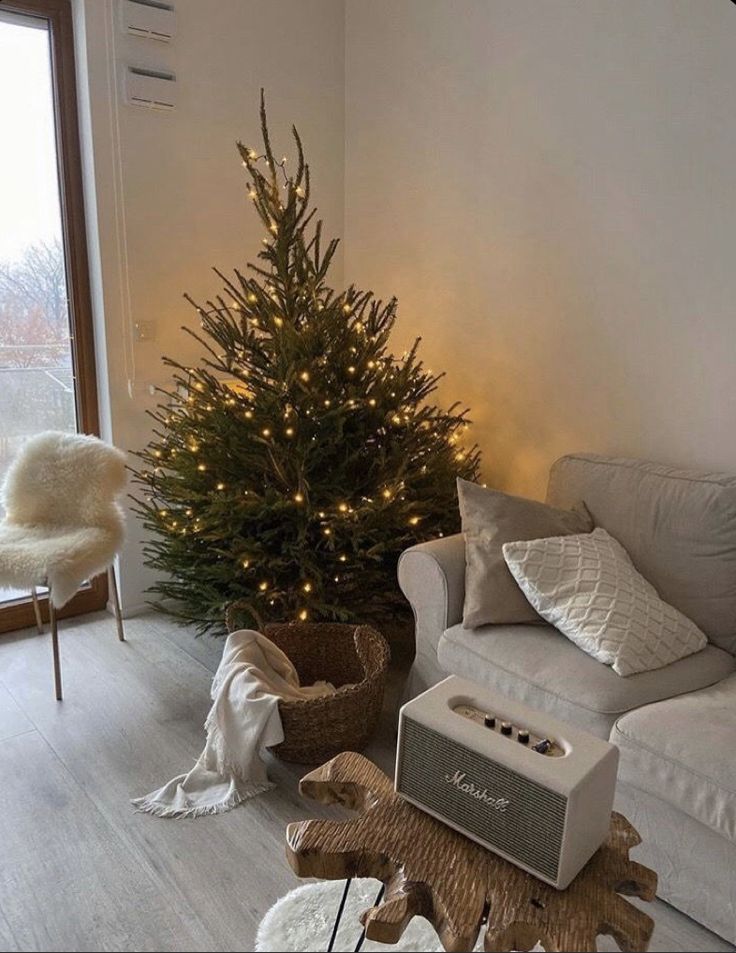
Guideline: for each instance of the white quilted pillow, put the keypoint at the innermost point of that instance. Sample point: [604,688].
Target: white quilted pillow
[587,587]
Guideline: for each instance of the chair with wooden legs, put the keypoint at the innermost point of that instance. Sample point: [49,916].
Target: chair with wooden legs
[63,523]
[112,589]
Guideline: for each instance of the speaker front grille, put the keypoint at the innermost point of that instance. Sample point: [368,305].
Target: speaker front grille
[530,828]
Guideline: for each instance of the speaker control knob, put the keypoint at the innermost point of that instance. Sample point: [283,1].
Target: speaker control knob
[523,736]
[489,721]
[505,727]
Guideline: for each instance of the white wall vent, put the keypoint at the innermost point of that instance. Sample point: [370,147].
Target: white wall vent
[150,88]
[152,19]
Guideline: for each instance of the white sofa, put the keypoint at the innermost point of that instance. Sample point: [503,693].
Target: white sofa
[675,727]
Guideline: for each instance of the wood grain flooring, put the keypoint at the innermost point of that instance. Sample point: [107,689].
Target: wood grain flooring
[79,869]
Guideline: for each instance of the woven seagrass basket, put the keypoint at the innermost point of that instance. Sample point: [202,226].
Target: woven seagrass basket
[354,658]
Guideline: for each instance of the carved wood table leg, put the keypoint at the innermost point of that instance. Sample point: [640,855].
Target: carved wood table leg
[432,871]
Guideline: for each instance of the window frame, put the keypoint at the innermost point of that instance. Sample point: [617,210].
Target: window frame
[58,16]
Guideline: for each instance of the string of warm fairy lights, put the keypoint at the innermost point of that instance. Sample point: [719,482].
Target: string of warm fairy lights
[341,509]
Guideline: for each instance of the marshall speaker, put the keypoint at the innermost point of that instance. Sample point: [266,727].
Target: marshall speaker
[517,781]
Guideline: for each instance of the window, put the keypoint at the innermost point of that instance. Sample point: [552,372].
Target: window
[47,376]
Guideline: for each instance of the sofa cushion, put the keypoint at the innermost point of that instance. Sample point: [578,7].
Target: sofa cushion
[678,526]
[682,751]
[490,519]
[539,666]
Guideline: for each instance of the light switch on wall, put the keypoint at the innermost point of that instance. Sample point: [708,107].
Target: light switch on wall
[140,389]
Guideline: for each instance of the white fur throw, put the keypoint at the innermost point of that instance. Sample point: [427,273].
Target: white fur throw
[63,524]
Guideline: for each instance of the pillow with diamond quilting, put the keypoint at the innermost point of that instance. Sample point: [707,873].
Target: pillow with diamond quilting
[587,587]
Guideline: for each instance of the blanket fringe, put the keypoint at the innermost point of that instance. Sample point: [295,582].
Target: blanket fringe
[145,805]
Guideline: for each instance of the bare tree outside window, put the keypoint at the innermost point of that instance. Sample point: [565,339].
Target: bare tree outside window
[34,328]
[36,377]
[36,380]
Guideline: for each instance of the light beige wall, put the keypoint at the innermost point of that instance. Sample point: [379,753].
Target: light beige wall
[550,190]
[166,193]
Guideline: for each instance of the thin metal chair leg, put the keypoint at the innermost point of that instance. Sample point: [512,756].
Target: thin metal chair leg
[37,609]
[338,918]
[55,648]
[112,583]
[361,940]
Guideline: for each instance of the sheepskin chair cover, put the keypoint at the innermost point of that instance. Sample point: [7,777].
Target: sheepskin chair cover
[63,523]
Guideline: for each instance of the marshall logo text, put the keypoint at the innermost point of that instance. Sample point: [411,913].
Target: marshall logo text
[457,780]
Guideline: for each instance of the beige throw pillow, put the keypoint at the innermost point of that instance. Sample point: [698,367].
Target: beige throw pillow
[490,519]
[588,588]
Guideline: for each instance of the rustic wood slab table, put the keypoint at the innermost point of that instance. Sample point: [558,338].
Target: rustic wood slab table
[429,870]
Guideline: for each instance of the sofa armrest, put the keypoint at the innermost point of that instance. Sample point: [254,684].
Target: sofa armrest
[432,577]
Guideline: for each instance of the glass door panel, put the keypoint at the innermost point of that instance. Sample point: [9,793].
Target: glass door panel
[44,300]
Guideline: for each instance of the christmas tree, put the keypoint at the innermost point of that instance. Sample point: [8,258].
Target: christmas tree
[291,467]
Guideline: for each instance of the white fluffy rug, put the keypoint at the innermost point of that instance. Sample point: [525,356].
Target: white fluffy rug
[302,921]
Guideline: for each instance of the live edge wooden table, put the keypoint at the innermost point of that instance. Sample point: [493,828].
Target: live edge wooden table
[429,870]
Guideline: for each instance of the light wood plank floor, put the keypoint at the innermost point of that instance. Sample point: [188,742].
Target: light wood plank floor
[79,869]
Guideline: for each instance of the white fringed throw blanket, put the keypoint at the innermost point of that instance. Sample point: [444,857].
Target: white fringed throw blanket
[244,719]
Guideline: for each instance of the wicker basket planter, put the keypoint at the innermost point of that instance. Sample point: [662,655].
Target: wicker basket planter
[354,658]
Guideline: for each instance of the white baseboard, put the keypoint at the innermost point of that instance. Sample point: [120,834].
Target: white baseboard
[129,611]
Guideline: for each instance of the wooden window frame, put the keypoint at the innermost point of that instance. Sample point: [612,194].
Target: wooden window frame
[58,15]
